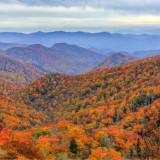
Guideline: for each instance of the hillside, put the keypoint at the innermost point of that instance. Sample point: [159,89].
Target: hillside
[16,124]
[76,52]
[6,89]
[109,113]
[63,58]
[17,73]
[115,59]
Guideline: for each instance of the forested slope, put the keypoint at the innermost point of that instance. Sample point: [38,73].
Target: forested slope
[115,59]
[110,113]
[17,73]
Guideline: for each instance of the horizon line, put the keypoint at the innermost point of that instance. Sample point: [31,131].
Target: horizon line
[108,32]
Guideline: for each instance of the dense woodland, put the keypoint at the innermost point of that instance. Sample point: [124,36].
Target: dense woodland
[111,113]
[18,73]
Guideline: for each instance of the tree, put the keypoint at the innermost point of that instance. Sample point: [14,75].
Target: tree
[105,139]
[152,96]
[73,146]
[138,148]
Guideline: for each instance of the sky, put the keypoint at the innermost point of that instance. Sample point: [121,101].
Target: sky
[79,15]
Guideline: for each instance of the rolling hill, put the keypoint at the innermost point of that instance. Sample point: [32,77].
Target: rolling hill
[63,58]
[89,85]
[116,59]
[18,73]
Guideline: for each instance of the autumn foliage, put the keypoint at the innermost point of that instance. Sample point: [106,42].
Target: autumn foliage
[110,113]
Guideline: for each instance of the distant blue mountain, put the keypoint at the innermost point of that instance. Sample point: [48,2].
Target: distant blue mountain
[151,31]
[144,54]
[4,46]
[103,40]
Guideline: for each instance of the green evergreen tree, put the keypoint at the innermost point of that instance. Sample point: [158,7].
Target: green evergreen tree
[152,96]
[73,146]
[138,148]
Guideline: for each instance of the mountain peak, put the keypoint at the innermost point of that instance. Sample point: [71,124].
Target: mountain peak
[115,59]
[36,46]
[61,45]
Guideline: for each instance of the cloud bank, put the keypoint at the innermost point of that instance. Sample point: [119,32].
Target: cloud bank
[145,6]
[79,14]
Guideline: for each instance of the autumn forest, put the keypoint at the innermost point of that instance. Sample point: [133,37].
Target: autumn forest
[109,113]
[79,79]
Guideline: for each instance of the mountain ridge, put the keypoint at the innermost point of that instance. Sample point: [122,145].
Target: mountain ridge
[115,59]
[114,41]
[71,59]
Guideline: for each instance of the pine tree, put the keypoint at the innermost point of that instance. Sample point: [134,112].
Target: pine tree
[152,96]
[73,146]
[138,148]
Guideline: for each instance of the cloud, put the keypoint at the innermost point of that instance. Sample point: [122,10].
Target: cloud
[18,11]
[131,6]
[78,14]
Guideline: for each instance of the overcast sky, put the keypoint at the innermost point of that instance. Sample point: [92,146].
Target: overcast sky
[79,15]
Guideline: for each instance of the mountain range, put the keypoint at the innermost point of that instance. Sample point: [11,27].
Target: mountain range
[62,58]
[102,40]
[70,59]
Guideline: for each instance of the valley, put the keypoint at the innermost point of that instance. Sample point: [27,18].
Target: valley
[110,113]
[79,80]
